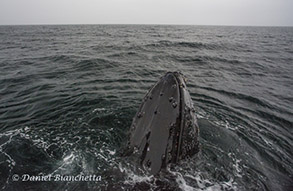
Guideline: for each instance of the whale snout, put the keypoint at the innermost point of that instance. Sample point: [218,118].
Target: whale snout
[164,129]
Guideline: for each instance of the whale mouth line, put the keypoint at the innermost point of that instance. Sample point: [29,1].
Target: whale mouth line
[164,129]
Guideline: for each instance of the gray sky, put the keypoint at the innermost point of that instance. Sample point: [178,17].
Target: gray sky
[194,12]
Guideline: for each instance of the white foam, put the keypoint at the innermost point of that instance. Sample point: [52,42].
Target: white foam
[69,158]
[112,152]
[99,109]
[132,177]
[202,183]
[182,183]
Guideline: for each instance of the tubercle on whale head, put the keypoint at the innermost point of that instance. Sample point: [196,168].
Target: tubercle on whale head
[164,129]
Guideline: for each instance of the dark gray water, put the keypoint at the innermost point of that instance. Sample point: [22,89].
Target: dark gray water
[68,95]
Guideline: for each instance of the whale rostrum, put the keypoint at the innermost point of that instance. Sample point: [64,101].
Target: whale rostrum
[164,129]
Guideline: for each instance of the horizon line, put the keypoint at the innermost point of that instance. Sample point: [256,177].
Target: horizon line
[154,24]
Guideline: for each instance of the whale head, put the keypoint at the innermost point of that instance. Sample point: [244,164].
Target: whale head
[164,129]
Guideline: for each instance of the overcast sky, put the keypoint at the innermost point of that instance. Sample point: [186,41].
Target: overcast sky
[194,12]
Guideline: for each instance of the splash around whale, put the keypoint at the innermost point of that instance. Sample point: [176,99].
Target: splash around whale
[164,129]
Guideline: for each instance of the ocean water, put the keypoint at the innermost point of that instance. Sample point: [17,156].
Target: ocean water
[68,95]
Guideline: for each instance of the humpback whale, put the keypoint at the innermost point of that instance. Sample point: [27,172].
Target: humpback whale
[164,129]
